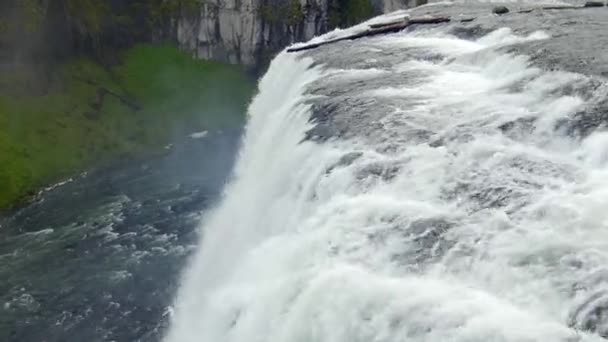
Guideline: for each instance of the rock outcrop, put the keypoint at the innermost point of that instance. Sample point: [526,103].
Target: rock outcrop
[500,10]
[249,32]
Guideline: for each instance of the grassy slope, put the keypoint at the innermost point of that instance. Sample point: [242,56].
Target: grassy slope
[46,137]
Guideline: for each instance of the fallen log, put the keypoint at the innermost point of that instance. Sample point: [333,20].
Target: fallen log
[310,46]
[395,22]
[429,20]
[366,33]
[376,29]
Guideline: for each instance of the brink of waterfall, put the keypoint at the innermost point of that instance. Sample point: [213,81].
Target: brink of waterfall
[443,183]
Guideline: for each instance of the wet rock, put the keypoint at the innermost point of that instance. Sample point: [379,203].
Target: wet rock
[320,133]
[592,315]
[345,160]
[431,228]
[594,4]
[500,10]
[437,143]
[494,197]
[349,158]
[518,127]
[597,279]
[426,240]
[586,121]
[470,32]
[385,171]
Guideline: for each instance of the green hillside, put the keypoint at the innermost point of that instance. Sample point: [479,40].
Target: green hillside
[87,114]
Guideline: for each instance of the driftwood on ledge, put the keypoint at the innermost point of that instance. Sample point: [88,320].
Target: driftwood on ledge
[377,29]
[588,4]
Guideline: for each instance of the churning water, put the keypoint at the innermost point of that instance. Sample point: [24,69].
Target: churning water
[412,187]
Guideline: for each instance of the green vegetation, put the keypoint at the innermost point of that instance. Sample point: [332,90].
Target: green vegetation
[341,13]
[356,11]
[93,17]
[289,13]
[344,13]
[88,16]
[295,14]
[91,115]
[42,31]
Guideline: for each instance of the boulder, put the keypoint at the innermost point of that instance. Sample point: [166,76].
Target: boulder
[500,10]
[594,4]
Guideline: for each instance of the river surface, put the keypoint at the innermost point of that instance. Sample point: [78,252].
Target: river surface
[99,258]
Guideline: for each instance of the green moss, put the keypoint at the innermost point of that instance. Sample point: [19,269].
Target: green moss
[269,13]
[357,11]
[289,13]
[156,93]
[34,11]
[174,7]
[341,13]
[295,15]
[88,15]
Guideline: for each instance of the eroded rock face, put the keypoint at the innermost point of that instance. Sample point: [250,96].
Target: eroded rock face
[248,32]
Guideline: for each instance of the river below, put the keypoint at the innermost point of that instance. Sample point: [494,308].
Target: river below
[98,258]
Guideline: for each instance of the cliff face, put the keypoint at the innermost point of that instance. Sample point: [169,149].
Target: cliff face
[248,32]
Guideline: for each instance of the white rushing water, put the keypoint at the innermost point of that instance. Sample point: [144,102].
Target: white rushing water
[472,233]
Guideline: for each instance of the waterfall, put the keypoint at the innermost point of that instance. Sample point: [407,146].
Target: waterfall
[411,187]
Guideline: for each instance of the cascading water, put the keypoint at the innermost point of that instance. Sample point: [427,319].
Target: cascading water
[411,187]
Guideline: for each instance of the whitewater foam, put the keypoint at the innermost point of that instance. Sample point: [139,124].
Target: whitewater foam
[469,234]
